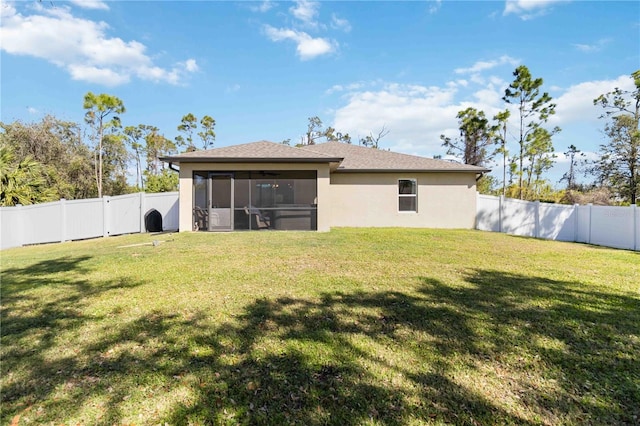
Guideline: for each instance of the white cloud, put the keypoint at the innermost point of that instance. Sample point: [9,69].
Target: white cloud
[306,14]
[91,4]
[340,24]
[306,11]
[94,74]
[529,9]
[416,115]
[83,48]
[345,88]
[576,103]
[307,46]
[263,7]
[191,65]
[595,47]
[434,6]
[487,65]
[32,110]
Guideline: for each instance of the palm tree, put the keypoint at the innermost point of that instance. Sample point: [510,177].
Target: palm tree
[21,182]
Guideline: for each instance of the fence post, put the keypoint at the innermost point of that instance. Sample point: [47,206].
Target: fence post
[142,209]
[63,220]
[105,216]
[500,207]
[536,228]
[634,211]
[576,222]
[20,225]
[590,222]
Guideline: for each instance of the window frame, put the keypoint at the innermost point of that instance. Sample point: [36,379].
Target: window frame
[413,195]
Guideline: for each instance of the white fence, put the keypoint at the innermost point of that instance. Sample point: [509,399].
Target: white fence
[617,227]
[67,220]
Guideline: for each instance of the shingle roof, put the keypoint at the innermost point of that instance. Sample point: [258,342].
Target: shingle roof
[351,158]
[360,158]
[255,152]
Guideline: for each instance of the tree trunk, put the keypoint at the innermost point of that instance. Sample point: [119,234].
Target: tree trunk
[100,133]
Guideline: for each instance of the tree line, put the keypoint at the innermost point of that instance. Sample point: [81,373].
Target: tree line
[524,120]
[53,158]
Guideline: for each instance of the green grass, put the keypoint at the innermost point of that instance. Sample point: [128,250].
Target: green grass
[389,326]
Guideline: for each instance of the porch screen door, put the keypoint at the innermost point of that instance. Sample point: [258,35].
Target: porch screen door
[221,196]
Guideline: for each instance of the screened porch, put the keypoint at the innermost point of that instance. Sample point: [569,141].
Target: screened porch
[255,200]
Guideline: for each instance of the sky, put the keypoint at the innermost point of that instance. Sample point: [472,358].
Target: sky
[261,69]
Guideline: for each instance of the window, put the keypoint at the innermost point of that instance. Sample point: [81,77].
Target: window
[407,195]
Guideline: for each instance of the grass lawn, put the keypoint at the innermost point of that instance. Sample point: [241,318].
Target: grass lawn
[355,326]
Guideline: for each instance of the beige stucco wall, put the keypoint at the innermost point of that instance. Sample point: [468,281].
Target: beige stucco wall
[445,200]
[186,186]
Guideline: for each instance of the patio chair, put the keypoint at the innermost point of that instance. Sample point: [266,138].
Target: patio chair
[260,221]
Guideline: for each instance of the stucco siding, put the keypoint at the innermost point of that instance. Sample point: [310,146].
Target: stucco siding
[186,186]
[445,200]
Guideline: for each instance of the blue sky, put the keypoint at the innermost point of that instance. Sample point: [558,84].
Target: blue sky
[262,68]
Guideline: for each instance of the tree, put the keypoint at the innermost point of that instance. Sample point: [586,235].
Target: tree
[57,145]
[315,131]
[116,160]
[207,135]
[134,135]
[332,135]
[21,181]
[570,176]
[539,158]
[500,133]
[158,179]
[475,138]
[99,109]
[619,163]
[187,125]
[374,141]
[533,110]
[165,181]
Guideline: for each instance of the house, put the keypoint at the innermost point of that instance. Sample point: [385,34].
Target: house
[266,185]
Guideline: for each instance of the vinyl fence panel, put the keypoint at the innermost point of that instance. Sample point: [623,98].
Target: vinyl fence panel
[124,214]
[10,227]
[637,227]
[519,218]
[613,227]
[167,204]
[82,219]
[488,213]
[41,223]
[584,224]
[617,227]
[557,222]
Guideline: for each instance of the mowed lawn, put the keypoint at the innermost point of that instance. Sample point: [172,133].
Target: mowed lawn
[355,326]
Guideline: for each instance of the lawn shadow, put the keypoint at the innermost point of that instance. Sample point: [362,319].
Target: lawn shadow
[44,273]
[586,340]
[34,324]
[348,358]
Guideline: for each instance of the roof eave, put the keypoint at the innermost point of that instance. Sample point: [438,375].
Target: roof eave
[478,171]
[179,160]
